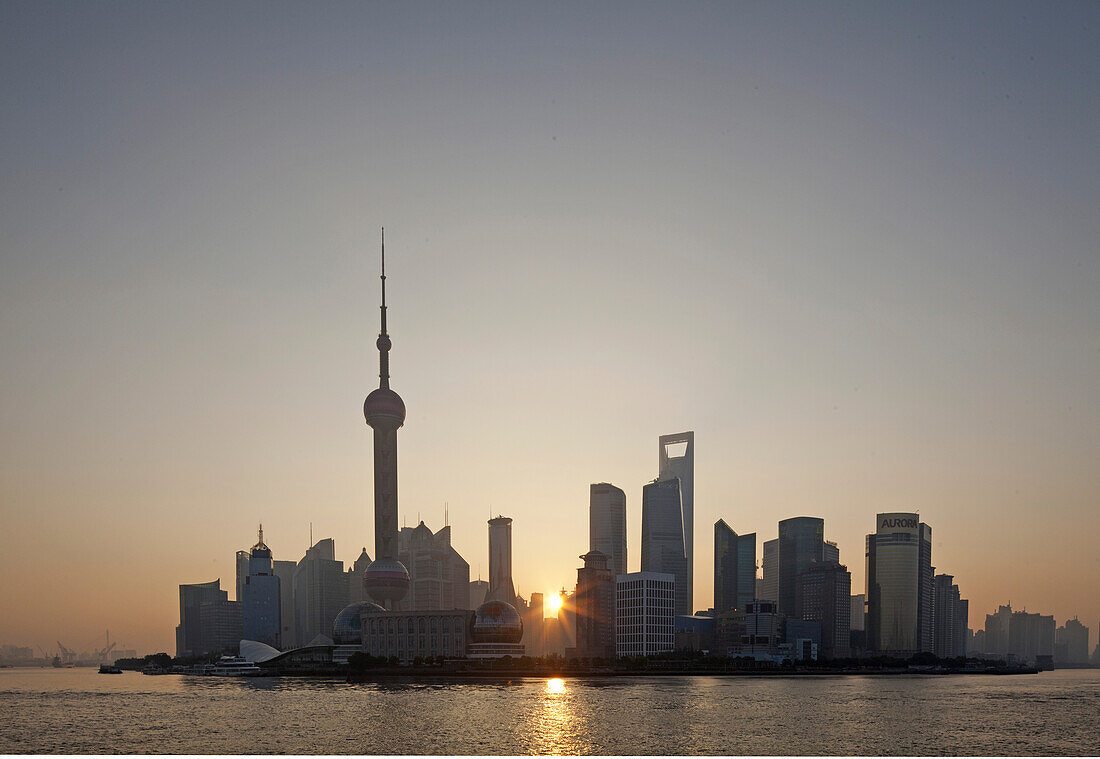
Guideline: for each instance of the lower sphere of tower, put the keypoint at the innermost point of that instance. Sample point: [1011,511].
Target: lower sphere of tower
[386,581]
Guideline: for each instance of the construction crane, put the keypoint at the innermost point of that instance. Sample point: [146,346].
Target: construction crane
[101,654]
[67,656]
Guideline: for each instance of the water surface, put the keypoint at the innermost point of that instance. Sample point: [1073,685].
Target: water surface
[80,711]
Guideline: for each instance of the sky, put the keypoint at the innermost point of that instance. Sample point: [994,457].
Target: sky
[852,246]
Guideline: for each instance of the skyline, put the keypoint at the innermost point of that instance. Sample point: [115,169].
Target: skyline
[604,227]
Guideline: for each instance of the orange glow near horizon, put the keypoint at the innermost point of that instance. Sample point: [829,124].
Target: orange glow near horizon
[554,603]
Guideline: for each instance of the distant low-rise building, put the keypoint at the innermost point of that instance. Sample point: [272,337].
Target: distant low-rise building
[1075,637]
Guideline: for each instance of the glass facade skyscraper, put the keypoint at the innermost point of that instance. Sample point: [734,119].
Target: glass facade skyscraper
[663,537]
[607,524]
[899,585]
[734,568]
[801,543]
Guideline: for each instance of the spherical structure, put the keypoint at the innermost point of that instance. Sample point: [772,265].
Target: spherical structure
[347,630]
[496,622]
[384,408]
[386,580]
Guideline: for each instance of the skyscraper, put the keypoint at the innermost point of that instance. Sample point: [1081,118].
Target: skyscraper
[209,621]
[594,605]
[824,594]
[801,543]
[949,619]
[320,592]
[386,579]
[607,524]
[663,537]
[284,570]
[770,581]
[682,467]
[734,568]
[439,576]
[899,585]
[500,561]
[355,573]
[1074,636]
[260,608]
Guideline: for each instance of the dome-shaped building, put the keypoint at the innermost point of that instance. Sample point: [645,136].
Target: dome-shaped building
[347,629]
[496,630]
[386,581]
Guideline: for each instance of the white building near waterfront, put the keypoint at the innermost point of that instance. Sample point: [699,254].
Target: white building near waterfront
[644,607]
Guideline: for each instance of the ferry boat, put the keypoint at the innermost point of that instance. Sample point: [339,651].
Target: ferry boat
[109,669]
[235,666]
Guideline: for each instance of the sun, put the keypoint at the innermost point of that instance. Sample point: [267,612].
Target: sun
[553,603]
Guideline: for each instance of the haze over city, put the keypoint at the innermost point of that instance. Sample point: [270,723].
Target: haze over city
[854,252]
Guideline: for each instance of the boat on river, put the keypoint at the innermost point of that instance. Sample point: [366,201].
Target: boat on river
[109,669]
[235,666]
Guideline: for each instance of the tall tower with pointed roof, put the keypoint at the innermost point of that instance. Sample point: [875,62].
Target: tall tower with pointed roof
[386,579]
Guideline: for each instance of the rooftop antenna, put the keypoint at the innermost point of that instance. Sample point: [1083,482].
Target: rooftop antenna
[311,534]
[446,514]
[262,532]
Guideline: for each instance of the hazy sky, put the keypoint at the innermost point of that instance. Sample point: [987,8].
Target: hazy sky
[854,247]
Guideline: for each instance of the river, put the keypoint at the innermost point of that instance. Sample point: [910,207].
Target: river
[76,711]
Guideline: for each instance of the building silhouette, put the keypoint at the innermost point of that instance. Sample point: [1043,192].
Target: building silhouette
[607,524]
[769,583]
[824,594]
[260,609]
[320,592]
[209,622]
[386,579]
[284,570]
[801,543]
[949,619]
[899,586]
[682,467]
[1073,640]
[594,605]
[734,568]
[439,577]
[479,591]
[356,574]
[500,561]
[663,537]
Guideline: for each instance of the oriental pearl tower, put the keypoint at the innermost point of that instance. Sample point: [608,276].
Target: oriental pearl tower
[386,580]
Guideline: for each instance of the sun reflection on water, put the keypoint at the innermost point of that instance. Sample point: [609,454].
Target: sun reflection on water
[555,685]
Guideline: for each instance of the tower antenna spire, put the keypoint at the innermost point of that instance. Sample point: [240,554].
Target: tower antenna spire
[383,341]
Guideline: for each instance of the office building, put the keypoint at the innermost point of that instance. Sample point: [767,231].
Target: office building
[926,590]
[801,543]
[734,568]
[1074,636]
[663,537]
[209,622]
[479,591]
[859,610]
[386,579]
[899,587]
[1031,638]
[355,574]
[320,592]
[949,619]
[500,561]
[763,631]
[260,611]
[439,578]
[594,605]
[533,624]
[830,552]
[242,572]
[681,465]
[770,580]
[824,595]
[607,524]
[284,570]
[644,608]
